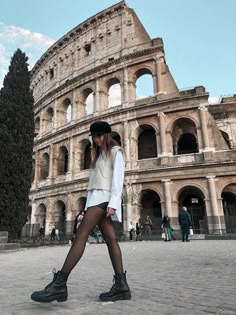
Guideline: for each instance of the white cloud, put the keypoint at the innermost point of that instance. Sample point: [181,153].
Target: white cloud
[17,35]
[13,37]
[214,100]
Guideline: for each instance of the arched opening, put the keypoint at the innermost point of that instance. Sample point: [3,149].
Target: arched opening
[114,92]
[147,147]
[69,113]
[63,161]
[226,138]
[44,166]
[144,83]
[116,137]
[151,206]
[65,112]
[60,218]
[88,101]
[187,144]
[49,119]
[87,157]
[229,206]
[184,136]
[193,199]
[36,126]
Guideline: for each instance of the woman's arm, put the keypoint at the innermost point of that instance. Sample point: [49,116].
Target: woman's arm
[117,180]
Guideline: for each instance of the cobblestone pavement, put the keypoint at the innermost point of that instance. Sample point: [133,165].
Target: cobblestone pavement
[170,278]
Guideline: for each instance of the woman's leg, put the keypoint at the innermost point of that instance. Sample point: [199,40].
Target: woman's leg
[108,232]
[91,218]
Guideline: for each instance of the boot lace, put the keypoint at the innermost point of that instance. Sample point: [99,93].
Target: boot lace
[53,280]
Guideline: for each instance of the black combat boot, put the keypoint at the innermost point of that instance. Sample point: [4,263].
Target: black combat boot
[119,291]
[54,291]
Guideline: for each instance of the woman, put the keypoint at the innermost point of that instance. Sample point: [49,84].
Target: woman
[103,201]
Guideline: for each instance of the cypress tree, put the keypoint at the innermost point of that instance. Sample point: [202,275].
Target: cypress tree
[16,145]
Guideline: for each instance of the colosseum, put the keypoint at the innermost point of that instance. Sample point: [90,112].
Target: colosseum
[179,149]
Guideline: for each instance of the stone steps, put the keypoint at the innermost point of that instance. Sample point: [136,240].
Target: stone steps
[4,245]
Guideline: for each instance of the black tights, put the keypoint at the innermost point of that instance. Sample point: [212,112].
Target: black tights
[94,216]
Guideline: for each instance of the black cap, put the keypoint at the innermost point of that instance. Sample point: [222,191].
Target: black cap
[99,128]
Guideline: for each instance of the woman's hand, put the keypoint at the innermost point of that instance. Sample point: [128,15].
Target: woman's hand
[110,212]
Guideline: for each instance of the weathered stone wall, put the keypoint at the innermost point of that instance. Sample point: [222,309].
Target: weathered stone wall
[184,157]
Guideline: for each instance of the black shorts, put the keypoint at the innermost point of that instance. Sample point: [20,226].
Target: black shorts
[103,206]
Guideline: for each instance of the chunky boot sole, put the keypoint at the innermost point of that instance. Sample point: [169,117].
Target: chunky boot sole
[58,298]
[117,297]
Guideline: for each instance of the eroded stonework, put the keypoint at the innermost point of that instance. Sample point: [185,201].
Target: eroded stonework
[179,149]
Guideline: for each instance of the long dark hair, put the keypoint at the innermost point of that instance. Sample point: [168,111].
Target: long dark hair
[108,144]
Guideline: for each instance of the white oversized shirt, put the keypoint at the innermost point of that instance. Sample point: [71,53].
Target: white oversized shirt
[113,197]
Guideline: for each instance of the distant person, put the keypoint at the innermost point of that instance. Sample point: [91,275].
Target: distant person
[171,232]
[147,227]
[185,223]
[78,220]
[138,231]
[53,235]
[41,234]
[131,230]
[165,224]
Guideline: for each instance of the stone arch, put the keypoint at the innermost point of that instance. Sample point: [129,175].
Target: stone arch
[194,199]
[228,196]
[151,205]
[85,158]
[113,92]
[36,126]
[65,112]
[48,119]
[44,166]
[184,136]
[147,145]
[62,161]
[143,77]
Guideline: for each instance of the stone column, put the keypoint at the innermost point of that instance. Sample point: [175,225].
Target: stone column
[33,231]
[214,221]
[74,107]
[69,215]
[127,143]
[125,90]
[51,159]
[101,99]
[159,88]
[128,209]
[36,170]
[204,130]
[168,208]
[161,117]
[55,118]
[71,159]
[40,124]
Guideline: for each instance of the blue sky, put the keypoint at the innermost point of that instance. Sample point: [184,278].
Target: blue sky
[199,36]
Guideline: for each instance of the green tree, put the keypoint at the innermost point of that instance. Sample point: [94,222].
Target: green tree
[16,145]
